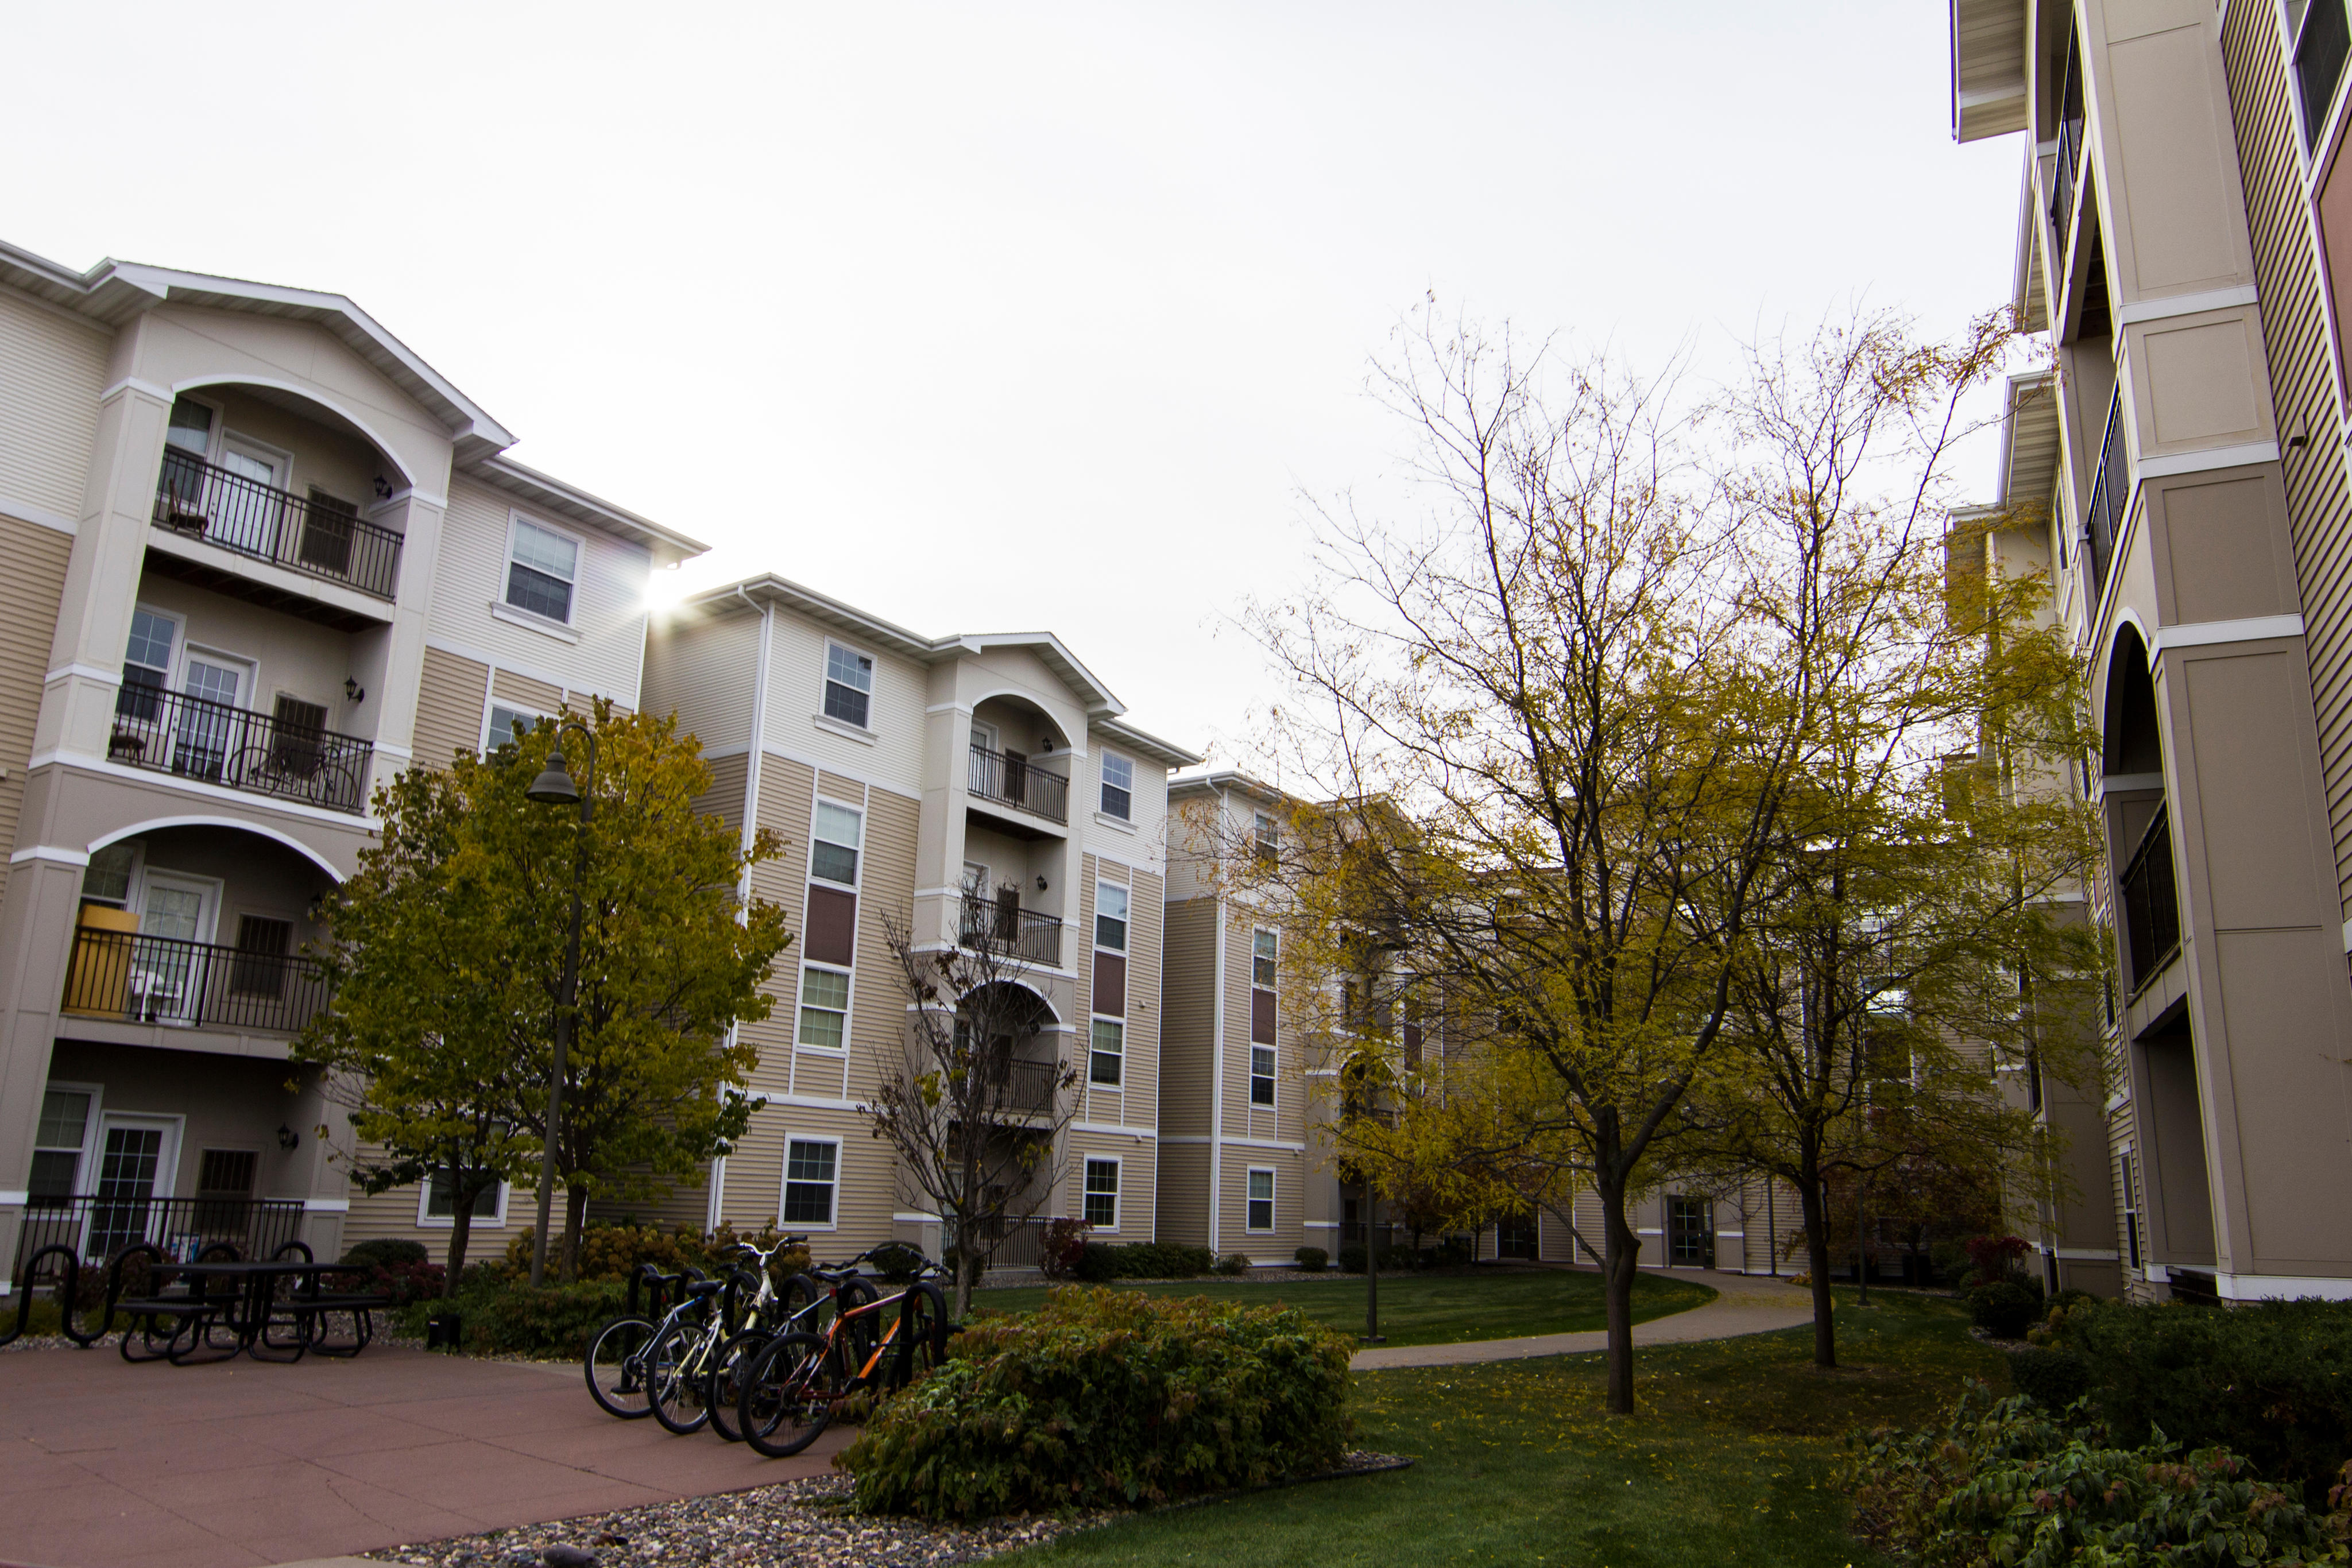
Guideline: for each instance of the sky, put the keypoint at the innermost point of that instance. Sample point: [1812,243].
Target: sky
[1008,317]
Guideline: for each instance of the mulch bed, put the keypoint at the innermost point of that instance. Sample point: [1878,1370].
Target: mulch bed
[804,1523]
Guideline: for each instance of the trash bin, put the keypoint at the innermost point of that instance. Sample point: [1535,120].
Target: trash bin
[442,1330]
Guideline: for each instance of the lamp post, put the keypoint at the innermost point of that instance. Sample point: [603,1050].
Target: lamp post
[553,787]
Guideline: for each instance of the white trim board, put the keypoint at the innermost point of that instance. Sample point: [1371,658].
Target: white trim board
[2185,305]
[2208,634]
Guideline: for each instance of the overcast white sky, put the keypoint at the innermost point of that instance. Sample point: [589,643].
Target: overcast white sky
[1008,317]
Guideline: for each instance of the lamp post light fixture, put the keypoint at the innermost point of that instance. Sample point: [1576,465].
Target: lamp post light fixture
[553,787]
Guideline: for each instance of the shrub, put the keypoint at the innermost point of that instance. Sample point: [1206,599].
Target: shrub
[1314,1260]
[1996,1258]
[1233,1264]
[2003,1309]
[953,1260]
[1454,1251]
[1143,1260]
[406,1282]
[2269,1380]
[609,1251]
[1107,1399]
[391,1251]
[508,1317]
[2010,1482]
[1392,1259]
[1064,1240]
[2052,1378]
[896,1261]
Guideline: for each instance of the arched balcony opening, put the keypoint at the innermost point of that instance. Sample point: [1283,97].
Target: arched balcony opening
[2139,825]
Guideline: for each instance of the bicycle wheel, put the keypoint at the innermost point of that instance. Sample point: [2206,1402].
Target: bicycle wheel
[788,1395]
[675,1379]
[795,1297]
[859,1332]
[616,1367]
[728,1369]
[922,1342]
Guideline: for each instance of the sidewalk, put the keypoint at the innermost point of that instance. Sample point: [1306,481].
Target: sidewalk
[242,1463]
[1743,1304]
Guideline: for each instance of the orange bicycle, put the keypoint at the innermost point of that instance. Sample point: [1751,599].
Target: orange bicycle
[790,1391]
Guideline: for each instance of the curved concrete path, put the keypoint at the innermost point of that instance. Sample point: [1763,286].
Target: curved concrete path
[1743,1304]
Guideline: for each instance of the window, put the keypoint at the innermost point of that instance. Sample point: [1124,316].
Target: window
[2321,42]
[1261,1075]
[1102,1194]
[1110,916]
[1107,1060]
[191,428]
[1262,998]
[848,686]
[834,856]
[542,567]
[809,1176]
[825,1009]
[1118,787]
[146,665]
[107,879]
[441,1201]
[2131,1209]
[1260,1200]
[1264,950]
[57,1143]
[1268,839]
[264,945]
[503,719]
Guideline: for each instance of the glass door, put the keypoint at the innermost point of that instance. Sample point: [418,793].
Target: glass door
[1690,1232]
[167,963]
[136,1156]
[210,720]
[250,505]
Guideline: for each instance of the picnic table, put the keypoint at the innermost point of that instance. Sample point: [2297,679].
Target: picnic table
[243,1299]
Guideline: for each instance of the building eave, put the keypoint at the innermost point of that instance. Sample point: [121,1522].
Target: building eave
[1990,86]
[549,494]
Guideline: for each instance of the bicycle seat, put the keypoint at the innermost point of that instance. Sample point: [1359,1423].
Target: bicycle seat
[697,1289]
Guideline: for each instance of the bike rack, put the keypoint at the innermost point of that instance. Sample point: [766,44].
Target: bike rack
[68,1296]
[666,1289]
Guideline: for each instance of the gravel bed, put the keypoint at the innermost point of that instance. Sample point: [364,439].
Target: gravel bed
[804,1523]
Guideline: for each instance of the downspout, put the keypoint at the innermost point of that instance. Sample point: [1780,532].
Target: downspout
[1217,1067]
[750,831]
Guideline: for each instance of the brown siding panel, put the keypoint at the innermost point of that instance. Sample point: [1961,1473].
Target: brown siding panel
[29,591]
[1261,1018]
[449,699]
[832,926]
[1110,984]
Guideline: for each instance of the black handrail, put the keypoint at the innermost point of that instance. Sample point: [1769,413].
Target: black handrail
[2151,900]
[2103,519]
[2070,143]
[196,738]
[1018,933]
[164,980]
[1025,1087]
[1017,781]
[317,535]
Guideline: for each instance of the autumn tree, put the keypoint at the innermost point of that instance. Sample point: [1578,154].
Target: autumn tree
[472,887]
[975,1103]
[1557,720]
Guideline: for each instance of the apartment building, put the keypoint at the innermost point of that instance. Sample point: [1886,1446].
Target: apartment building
[2180,473]
[260,556]
[945,787]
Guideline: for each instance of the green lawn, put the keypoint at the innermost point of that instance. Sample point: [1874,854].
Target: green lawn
[1430,1309]
[1517,1463]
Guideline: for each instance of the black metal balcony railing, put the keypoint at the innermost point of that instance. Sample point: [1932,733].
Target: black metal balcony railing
[163,979]
[1022,934]
[173,732]
[2069,145]
[1017,781]
[96,1227]
[1024,1087]
[2151,901]
[315,535]
[2103,519]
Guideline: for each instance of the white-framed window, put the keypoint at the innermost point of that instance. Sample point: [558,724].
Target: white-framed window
[111,874]
[1267,838]
[839,834]
[1261,1075]
[1110,916]
[147,659]
[436,1204]
[61,1139]
[848,686]
[1107,1054]
[812,1178]
[1118,787]
[542,570]
[825,1009]
[1260,1200]
[2317,39]
[1102,1192]
[1266,952]
[500,728]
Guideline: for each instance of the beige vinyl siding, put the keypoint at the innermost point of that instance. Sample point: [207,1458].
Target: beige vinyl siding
[1146,915]
[1232,1079]
[796,696]
[608,597]
[704,671]
[522,691]
[2294,336]
[755,1170]
[724,799]
[1188,1023]
[48,405]
[1183,1209]
[449,706]
[29,593]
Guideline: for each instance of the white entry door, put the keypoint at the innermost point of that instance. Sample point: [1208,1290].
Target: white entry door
[168,964]
[211,727]
[137,1157]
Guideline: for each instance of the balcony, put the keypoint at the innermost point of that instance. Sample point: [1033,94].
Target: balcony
[288,755]
[96,1227]
[1017,932]
[2103,519]
[317,535]
[2151,903]
[1011,779]
[137,978]
[2064,176]
[1024,1088]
